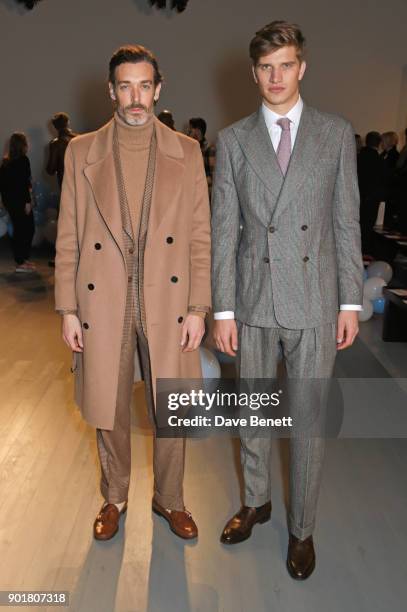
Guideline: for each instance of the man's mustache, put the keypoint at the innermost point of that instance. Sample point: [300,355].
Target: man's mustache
[136,107]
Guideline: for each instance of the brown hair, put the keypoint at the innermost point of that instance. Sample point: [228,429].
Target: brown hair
[134,54]
[275,35]
[18,146]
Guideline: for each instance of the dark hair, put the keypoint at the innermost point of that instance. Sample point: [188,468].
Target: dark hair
[134,54]
[275,35]
[199,124]
[60,121]
[18,145]
[373,139]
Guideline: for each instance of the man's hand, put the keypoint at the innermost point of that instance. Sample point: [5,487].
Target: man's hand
[348,328]
[72,332]
[192,333]
[28,208]
[225,336]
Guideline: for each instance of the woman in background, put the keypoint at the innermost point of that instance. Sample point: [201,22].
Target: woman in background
[15,189]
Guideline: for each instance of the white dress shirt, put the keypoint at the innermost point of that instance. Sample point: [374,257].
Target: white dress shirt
[274,130]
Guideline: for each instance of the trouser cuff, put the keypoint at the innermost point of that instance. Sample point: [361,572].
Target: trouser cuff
[172,502]
[300,532]
[254,501]
[114,495]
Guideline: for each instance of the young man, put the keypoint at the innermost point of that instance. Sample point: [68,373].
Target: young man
[293,276]
[133,277]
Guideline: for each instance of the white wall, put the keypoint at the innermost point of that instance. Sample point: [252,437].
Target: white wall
[55,58]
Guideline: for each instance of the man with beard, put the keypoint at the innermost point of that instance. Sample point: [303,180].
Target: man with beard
[132,278]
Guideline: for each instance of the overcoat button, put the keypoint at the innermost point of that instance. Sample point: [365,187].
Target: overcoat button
[174,279]
[98,246]
[304,227]
[306,259]
[131,251]
[272,229]
[170,239]
[91,286]
[180,319]
[86,325]
[266,260]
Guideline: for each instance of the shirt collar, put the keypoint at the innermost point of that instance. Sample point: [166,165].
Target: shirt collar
[294,114]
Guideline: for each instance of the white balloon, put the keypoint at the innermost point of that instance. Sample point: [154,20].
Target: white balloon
[3,228]
[373,288]
[380,269]
[366,313]
[209,364]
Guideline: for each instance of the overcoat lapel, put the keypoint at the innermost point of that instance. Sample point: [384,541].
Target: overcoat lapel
[101,175]
[258,149]
[168,176]
[311,136]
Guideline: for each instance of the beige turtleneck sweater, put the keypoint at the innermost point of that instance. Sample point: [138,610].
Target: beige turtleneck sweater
[134,143]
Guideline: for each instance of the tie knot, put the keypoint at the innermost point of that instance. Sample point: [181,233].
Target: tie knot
[284,123]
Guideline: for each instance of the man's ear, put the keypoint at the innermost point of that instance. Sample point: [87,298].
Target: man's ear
[157,92]
[254,74]
[111,91]
[303,67]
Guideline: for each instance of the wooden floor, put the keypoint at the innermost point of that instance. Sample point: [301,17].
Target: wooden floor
[49,497]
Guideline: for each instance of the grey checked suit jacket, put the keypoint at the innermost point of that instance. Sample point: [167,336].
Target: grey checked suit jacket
[298,256]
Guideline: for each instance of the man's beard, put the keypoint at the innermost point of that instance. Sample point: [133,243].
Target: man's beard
[132,119]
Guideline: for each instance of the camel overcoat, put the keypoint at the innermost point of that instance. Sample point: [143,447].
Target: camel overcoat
[90,267]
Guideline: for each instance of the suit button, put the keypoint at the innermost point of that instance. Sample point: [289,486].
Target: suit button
[174,279]
[91,286]
[129,279]
[272,229]
[131,251]
[170,240]
[98,246]
[304,227]
[86,325]
[266,260]
[305,259]
[180,319]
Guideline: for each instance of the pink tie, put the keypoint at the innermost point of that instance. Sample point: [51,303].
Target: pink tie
[284,147]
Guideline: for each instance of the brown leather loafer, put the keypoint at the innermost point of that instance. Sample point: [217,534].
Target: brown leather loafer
[240,526]
[180,522]
[106,524]
[300,557]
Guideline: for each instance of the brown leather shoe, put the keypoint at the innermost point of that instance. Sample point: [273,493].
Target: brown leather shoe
[106,523]
[240,526]
[300,557]
[180,522]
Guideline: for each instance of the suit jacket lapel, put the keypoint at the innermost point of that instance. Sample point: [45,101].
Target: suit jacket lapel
[310,137]
[168,175]
[256,144]
[101,175]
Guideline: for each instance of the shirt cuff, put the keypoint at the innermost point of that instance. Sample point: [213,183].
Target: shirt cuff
[227,314]
[351,307]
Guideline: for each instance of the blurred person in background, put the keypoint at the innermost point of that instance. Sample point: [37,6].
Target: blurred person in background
[197,130]
[371,178]
[16,193]
[57,146]
[390,156]
[166,117]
